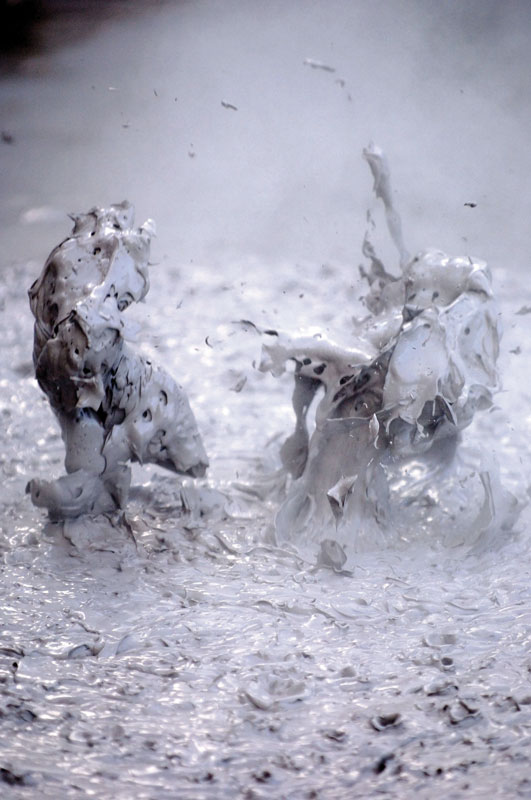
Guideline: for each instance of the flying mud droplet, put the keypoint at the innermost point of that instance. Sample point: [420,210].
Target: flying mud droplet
[310,62]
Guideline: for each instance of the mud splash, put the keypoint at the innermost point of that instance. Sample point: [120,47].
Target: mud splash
[386,453]
[113,405]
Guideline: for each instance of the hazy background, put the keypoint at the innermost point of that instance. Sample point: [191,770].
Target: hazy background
[124,100]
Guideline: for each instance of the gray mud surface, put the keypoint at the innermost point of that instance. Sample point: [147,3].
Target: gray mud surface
[183,654]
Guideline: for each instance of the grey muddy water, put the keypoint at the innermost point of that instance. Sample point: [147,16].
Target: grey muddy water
[189,654]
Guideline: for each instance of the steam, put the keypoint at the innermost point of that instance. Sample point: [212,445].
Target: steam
[113,405]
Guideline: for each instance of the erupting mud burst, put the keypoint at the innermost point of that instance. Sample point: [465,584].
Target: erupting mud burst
[113,405]
[385,455]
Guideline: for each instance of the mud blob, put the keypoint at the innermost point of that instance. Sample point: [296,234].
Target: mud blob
[390,407]
[113,405]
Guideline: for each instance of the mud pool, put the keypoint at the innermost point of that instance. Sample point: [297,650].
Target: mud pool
[187,655]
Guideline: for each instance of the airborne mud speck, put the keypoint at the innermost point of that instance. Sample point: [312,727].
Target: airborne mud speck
[190,656]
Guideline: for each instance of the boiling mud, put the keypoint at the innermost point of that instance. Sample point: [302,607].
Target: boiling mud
[189,655]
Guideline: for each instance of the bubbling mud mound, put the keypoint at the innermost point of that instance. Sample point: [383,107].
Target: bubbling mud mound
[386,454]
[113,405]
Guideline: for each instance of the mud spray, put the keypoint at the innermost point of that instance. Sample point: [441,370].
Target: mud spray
[386,461]
[113,406]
